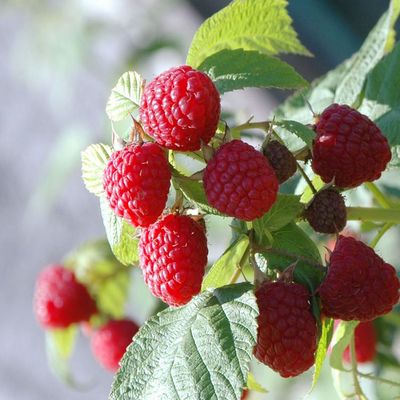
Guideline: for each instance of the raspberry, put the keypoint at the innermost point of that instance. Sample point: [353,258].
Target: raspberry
[348,148]
[136,181]
[287,331]
[60,300]
[327,212]
[245,394]
[109,343]
[281,160]
[173,255]
[180,109]
[365,343]
[240,182]
[359,285]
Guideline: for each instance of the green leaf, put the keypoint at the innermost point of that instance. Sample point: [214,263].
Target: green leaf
[373,49]
[60,344]
[389,124]
[341,339]
[262,25]
[323,345]
[94,160]
[106,278]
[303,132]
[344,83]
[238,69]
[253,385]
[225,267]
[120,234]
[199,351]
[292,239]
[125,96]
[286,208]
[194,192]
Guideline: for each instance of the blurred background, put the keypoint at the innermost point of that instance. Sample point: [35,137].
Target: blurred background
[58,63]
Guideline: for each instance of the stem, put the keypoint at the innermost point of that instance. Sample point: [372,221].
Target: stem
[373,214]
[239,269]
[377,379]
[378,195]
[380,233]
[263,125]
[307,179]
[358,391]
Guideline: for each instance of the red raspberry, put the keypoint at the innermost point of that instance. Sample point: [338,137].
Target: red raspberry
[365,343]
[240,182]
[327,212]
[348,147]
[173,255]
[136,181]
[359,285]
[245,394]
[180,109]
[287,331]
[60,300]
[109,343]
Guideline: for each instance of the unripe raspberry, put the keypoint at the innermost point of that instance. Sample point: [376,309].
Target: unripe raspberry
[60,300]
[365,343]
[348,148]
[327,212]
[287,331]
[180,109]
[136,181]
[109,342]
[240,182]
[359,285]
[173,256]
[281,160]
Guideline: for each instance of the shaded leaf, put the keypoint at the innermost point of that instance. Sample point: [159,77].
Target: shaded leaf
[225,267]
[120,234]
[238,69]
[303,132]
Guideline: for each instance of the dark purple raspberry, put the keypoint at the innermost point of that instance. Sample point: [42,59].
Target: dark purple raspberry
[281,160]
[327,212]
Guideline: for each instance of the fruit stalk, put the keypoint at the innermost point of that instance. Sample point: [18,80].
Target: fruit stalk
[373,214]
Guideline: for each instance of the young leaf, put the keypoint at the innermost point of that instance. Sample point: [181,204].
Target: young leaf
[225,267]
[120,234]
[59,347]
[286,208]
[94,160]
[194,192]
[238,69]
[107,279]
[253,385]
[125,96]
[303,132]
[290,241]
[264,26]
[341,339]
[323,345]
[198,351]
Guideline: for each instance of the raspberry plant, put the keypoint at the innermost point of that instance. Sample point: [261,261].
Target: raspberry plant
[180,165]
